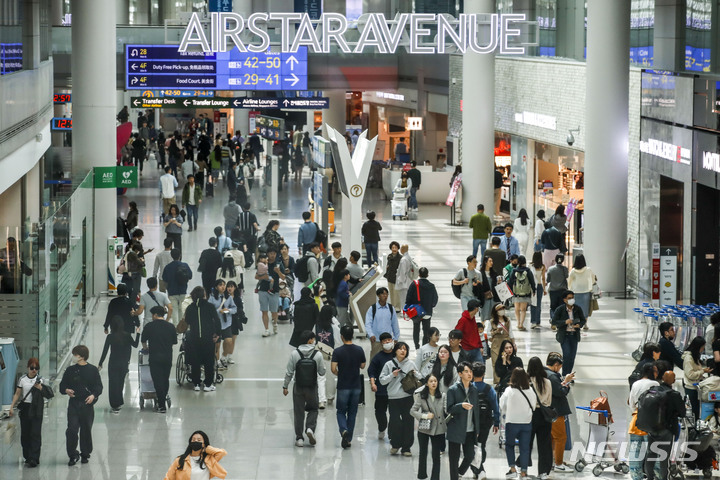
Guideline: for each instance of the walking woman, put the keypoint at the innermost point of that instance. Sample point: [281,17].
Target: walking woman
[238,319]
[489,279]
[229,272]
[694,371]
[517,405]
[541,428]
[522,282]
[30,395]
[226,308]
[173,222]
[500,330]
[581,281]
[538,269]
[539,229]
[506,364]
[120,345]
[131,220]
[327,332]
[391,267]
[445,369]
[401,425]
[559,221]
[203,332]
[521,230]
[428,409]
[200,460]
[305,317]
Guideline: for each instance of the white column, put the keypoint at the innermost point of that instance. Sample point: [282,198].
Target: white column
[606,139]
[241,115]
[310,121]
[478,130]
[122,12]
[349,216]
[94,143]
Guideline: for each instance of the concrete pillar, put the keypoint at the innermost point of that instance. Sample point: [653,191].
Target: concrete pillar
[56,12]
[122,12]
[241,115]
[94,143]
[478,128]
[570,29]
[310,121]
[31,34]
[669,35]
[606,139]
[417,147]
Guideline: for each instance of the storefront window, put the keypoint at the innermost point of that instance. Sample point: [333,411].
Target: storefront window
[10,36]
[697,35]
[642,31]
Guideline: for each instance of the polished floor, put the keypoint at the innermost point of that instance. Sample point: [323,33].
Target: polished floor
[248,415]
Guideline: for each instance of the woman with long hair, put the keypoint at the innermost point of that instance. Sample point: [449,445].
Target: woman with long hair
[392,263]
[694,371]
[517,405]
[580,281]
[500,330]
[521,230]
[428,405]
[401,424]
[238,318]
[489,277]
[228,272]
[541,428]
[120,345]
[522,282]
[173,222]
[538,269]
[506,363]
[200,460]
[327,332]
[444,369]
[538,230]
[272,238]
[651,353]
[226,308]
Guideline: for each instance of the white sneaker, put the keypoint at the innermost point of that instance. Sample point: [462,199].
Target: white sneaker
[562,469]
[229,360]
[510,475]
[381,435]
[299,442]
[197,388]
[311,436]
[266,333]
[482,475]
[211,388]
[544,476]
[321,405]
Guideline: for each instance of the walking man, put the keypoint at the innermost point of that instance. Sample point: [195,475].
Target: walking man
[379,318]
[557,277]
[464,424]
[305,364]
[191,200]
[153,298]
[81,382]
[158,337]
[306,234]
[468,278]
[177,275]
[347,361]
[416,177]
[482,228]
[508,243]
[162,260]
[422,292]
[569,320]
[560,391]
[168,184]
[381,396]
[249,229]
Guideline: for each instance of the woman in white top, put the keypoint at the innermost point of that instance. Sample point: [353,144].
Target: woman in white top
[580,281]
[517,405]
[538,269]
[541,428]
[521,230]
[539,229]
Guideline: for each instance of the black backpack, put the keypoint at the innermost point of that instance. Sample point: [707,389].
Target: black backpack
[321,237]
[485,408]
[634,376]
[181,275]
[306,371]
[457,289]
[301,269]
[652,409]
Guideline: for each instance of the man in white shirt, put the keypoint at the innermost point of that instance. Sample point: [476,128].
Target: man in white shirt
[162,259]
[168,184]
[405,274]
[153,298]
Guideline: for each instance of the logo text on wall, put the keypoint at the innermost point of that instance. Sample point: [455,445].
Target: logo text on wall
[477,33]
[668,151]
[711,161]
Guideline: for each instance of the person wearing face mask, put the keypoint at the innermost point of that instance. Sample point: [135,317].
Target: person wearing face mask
[81,382]
[500,330]
[568,320]
[200,461]
[30,396]
[381,396]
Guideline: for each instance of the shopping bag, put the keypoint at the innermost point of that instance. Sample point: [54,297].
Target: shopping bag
[503,291]
[477,459]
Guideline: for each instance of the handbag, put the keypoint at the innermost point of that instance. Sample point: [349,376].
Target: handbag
[122,268]
[596,291]
[425,424]
[549,413]
[409,383]
[416,310]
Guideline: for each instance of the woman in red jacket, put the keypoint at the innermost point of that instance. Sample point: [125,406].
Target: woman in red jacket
[468,326]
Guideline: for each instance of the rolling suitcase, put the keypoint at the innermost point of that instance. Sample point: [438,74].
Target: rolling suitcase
[209,188]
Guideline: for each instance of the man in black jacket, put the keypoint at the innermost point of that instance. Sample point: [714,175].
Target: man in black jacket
[661,443]
[424,293]
[210,261]
[560,391]
[203,332]
[569,320]
[162,336]
[668,351]
[122,307]
[82,383]
[460,401]
[416,177]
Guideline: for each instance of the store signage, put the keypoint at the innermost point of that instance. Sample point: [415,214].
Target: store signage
[164,67]
[314,103]
[668,151]
[414,123]
[668,275]
[11,57]
[419,33]
[711,161]
[60,98]
[270,127]
[655,271]
[537,120]
[61,124]
[391,96]
[220,5]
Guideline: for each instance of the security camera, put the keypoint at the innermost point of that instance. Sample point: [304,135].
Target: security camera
[571,138]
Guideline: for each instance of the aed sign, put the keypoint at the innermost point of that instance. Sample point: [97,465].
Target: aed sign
[116,177]
[418,33]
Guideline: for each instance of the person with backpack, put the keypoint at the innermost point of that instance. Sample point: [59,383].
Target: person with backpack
[428,410]
[556,276]
[541,426]
[400,400]
[306,233]
[568,320]
[517,404]
[381,317]
[637,448]
[464,283]
[176,276]
[305,364]
[407,272]
[523,285]
[659,409]
[489,415]
[327,333]
[560,391]
[307,268]
[471,338]
[461,402]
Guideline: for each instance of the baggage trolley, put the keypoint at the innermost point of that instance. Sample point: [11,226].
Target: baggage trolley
[650,335]
[598,446]
[399,204]
[694,442]
[145,382]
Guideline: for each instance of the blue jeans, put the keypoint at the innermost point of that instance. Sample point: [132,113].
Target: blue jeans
[284,303]
[371,253]
[536,310]
[464,301]
[413,199]
[475,355]
[637,451]
[569,350]
[521,432]
[192,214]
[346,402]
[482,243]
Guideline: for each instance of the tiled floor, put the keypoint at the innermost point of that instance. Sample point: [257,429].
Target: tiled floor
[248,415]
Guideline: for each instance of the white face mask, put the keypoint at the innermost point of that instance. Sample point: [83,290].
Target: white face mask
[501,313]
[571,302]
[387,346]
[75,359]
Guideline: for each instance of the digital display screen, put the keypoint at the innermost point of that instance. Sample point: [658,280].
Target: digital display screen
[62,98]
[369,274]
[59,123]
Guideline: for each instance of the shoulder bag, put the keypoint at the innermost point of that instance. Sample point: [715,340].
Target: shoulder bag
[425,423]
[409,382]
[532,409]
[415,311]
[549,413]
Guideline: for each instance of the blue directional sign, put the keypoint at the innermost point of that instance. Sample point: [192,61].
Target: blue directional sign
[164,67]
[220,5]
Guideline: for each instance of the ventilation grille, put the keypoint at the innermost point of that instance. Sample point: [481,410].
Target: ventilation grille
[24,124]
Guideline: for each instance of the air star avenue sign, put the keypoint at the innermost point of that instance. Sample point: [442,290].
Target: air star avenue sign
[418,33]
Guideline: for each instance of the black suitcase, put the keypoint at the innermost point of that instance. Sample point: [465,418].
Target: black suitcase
[209,189]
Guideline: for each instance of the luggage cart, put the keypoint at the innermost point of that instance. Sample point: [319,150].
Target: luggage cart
[145,382]
[695,436]
[599,434]
[399,204]
[651,335]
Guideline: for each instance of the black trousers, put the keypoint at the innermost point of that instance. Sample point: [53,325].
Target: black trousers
[203,356]
[402,425]
[381,408]
[555,300]
[468,448]
[482,440]
[160,373]
[425,324]
[30,433]
[176,239]
[80,420]
[436,441]
[541,429]
[116,384]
